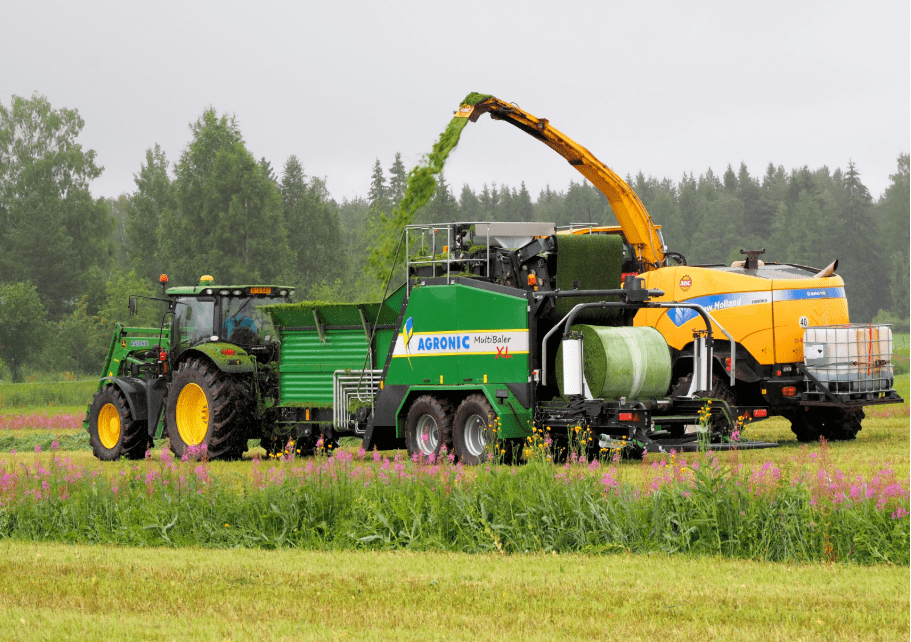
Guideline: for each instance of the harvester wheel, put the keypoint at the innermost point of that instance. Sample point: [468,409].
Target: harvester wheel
[722,390]
[473,429]
[428,426]
[113,431]
[842,425]
[835,424]
[207,410]
[806,426]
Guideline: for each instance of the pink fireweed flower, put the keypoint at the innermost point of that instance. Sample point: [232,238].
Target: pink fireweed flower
[608,480]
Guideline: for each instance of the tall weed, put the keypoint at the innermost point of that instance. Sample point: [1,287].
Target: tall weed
[345,501]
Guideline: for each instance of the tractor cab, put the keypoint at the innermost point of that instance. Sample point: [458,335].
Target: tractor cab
[229,314]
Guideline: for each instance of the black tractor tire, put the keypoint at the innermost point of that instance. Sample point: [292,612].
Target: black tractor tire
[207,407]
[113,431]
[835,424]
[428,426]
[472,430]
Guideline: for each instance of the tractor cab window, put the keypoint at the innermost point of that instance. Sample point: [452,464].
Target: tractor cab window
[193,320]
[244,324]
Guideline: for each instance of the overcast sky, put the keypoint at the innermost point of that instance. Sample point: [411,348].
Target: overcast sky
[658,87]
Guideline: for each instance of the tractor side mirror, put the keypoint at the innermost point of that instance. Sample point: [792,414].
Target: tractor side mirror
[132,306]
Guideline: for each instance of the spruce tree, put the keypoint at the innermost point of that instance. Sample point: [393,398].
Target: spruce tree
[378,196]
[397,179]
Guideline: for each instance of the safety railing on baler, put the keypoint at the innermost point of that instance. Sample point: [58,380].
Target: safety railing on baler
[440,245]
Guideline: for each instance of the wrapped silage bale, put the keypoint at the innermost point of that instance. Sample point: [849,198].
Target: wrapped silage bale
[622,362]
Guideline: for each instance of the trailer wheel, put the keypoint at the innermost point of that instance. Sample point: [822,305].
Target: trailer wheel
[113,432]
[207,408]
[428,426]
[473,429]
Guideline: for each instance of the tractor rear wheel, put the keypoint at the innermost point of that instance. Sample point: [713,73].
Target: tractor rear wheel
[208,412]
[428,426]
[113,431]
[473,429]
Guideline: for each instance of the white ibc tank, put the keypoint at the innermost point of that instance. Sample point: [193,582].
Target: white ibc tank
[850,358]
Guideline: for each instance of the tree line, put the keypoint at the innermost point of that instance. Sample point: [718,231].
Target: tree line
[69,261]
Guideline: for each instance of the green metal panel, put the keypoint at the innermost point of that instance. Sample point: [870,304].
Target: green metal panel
[463,334]
[238,362]
[307,363]
[382,341]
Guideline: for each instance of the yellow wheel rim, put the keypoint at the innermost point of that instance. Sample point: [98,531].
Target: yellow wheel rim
[192,414]
[109,425]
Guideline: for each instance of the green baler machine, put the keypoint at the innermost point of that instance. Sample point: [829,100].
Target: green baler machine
[461,355]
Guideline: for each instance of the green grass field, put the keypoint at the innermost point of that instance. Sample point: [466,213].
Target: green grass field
[99,593]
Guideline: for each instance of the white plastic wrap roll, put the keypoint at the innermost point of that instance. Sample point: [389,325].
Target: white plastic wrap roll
[572,367]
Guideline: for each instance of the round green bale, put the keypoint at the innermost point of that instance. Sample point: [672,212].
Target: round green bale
[622,362]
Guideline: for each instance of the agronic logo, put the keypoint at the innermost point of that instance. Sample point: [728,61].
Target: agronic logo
[409,332]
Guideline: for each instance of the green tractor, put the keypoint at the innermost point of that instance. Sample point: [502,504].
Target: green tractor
[206,378]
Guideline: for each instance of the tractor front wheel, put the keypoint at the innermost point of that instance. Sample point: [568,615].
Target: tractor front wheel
[207,412]
[113,431]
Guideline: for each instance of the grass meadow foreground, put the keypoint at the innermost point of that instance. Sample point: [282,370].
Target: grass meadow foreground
[113,593]
[802,542]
